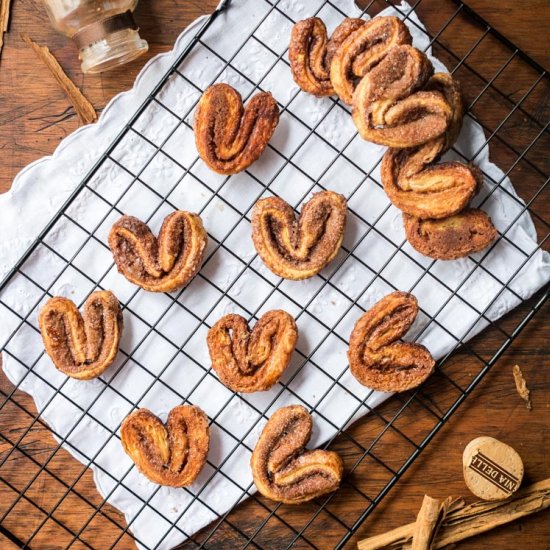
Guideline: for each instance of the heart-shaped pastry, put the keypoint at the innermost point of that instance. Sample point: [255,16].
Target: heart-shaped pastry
[450,238]
[252,361]
[299,249]
[362,50]
[310,52]
[163,264]
[82,346]
[383,77]
[171,454]
[283,470]
[393,107]
[436,191]
[413,180]
[230,137]
[376,359]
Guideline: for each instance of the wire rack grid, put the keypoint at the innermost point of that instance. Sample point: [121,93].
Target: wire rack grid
[435,402]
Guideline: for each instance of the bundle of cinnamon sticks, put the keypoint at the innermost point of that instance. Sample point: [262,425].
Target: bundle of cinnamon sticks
[447,522]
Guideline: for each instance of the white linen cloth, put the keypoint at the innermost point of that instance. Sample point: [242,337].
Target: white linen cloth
[83,414]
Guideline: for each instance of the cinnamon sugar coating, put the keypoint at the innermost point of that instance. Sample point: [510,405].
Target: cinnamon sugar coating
[364,49]
[373,66]
[310,52]
[171,454]
[249,361]
[416,183]
[376,358]
[82,346]
[164,264]
[384,78]
[450,238]
[230,137]
[390,106]
[299,249]
[435,191]
[283,470]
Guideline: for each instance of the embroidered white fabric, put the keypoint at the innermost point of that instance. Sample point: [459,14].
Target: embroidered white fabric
[86,416]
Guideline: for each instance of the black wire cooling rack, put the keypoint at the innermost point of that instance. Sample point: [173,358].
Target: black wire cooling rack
[504,89]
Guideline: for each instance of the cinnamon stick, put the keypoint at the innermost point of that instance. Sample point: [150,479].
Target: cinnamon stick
[464,521]
[84,109]
[5,6]
[521,386]
[429,519]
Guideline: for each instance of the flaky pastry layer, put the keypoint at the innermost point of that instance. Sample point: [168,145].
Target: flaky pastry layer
[311,51]
[249,361]
[451,238]
[283,470]
[82,346]
[230,137]
[376,358]
[414,180]
[299,249]
[171,454]
[160,264]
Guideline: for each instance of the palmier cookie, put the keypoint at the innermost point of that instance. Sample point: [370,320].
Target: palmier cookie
[249,361]
[414,180]
[436,191]
[376,359]
[82,346]
[164,264]
[283,470]
[299,249]
[310,53]
[229,137]
[450,238]
[171,454]
[362,50]
[384,78]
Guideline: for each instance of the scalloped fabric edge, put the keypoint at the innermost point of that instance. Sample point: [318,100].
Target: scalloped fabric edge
[24,199]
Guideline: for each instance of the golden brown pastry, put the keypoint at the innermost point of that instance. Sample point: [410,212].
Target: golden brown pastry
[163,264]
[413,180]
[451,238]
[449,88]
[391,108]
[378,72]
[310,52]
[171,454]
[362,50]
[252,361]
[281,467]
[299,249]
[428,191]
[82,346]
[373,67]
[376,359]
[230,137]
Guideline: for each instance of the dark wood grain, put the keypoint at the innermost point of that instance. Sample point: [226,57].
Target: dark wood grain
[35,116]
[514,22]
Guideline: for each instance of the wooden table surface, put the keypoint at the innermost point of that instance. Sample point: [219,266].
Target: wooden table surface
[35,116]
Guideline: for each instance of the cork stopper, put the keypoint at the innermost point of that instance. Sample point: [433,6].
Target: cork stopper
[492,469]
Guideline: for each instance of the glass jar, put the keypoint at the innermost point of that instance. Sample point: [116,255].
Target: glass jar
[104,31]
